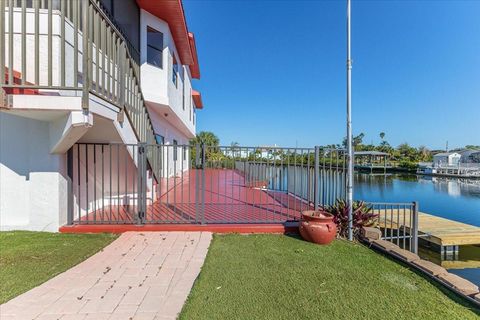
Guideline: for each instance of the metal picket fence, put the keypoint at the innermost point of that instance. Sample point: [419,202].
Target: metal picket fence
[398,223]
[195,184]
[146,183]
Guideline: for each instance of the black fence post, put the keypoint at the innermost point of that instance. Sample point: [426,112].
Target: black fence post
[197,182]
[142,183]
[315,177]
[203,184]
[415,227]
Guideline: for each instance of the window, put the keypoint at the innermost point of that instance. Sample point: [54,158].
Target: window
[183,91]
[191,105]
[175,150]
[175,71]
[160,139]
[184,153]
[154,47]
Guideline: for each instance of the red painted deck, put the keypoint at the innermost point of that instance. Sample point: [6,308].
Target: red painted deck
[229,200]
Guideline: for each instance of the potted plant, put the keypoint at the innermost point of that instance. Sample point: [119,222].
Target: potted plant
[317,226]
[362,216]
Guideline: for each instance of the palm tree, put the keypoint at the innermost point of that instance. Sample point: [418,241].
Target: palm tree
[356,141]
[424,153]
[207,138]
[235,148]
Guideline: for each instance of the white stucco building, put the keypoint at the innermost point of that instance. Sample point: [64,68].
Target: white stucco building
[446,159]
[131,81]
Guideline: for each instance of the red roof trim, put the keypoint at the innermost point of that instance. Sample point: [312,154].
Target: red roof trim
[172,12]
[194,68]
[197,99]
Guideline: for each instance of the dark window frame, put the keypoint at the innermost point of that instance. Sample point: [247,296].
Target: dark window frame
[175,150]
[161,142]
[155,48]
[183,90]
[174,70]
[159,136]
[191,105]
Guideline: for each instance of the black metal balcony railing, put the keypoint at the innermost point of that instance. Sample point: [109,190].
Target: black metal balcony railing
[43,47]
[199,184]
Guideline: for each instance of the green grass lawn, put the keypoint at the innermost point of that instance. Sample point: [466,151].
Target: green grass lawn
[28,259]
[281,277]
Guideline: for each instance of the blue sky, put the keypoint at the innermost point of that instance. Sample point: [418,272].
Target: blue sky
[273,72]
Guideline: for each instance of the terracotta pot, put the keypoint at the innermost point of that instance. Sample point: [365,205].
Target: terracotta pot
[317,227]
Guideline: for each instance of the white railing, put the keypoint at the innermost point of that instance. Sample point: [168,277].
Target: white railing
[43,48]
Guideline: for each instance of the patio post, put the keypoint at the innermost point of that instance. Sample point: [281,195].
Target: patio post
[142,183]
[349,128]
[69,186]
[85,55]
[414,225]
[203,183]
[197,182]
[315,177]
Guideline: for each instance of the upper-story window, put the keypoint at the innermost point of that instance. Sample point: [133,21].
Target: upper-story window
[154,47]
[183,90]
[175,71]
[160,139]
[175,150]
[191,105]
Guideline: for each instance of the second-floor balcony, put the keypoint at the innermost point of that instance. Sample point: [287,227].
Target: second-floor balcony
[70,49]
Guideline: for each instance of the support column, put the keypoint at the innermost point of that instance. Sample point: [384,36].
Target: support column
[449,252]
[70,186]
[85,55]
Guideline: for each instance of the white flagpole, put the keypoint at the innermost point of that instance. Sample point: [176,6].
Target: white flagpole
[349,128]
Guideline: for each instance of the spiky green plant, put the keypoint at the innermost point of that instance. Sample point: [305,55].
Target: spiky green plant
[362,216]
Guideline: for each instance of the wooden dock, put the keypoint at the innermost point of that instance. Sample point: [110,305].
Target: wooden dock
[445,233]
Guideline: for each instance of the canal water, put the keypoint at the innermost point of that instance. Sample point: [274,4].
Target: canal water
[451,198]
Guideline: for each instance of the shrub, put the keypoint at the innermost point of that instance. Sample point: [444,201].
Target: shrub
[361,215]
[408,165]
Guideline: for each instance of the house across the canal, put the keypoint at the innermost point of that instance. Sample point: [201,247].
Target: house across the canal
[446,159]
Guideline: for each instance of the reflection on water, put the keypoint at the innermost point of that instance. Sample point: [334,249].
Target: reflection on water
[465,265]
[451,198]
[468,257]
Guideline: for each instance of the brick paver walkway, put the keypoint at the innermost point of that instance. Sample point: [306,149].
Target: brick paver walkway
[138,276]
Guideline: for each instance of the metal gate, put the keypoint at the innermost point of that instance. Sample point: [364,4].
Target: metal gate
[147,184]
